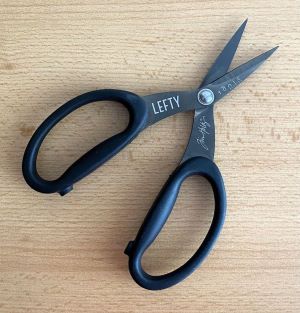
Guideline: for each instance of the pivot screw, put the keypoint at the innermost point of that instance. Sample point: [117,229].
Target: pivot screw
[206,96]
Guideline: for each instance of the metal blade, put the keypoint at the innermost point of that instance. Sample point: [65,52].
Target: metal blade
[224,59]
[229,81]
[202,141]
[202,138]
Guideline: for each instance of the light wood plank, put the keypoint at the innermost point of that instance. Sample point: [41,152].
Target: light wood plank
[66,254]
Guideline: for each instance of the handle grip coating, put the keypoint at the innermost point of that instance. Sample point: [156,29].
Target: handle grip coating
[96,156]
[159,213]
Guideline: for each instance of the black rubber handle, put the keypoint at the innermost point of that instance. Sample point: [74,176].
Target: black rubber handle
[96,156]
[159,213]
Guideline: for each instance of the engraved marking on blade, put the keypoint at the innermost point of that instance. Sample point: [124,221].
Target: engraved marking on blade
[164,105]
[229,86]
[203,131]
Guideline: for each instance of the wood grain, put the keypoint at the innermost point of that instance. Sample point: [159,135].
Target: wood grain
[66,254]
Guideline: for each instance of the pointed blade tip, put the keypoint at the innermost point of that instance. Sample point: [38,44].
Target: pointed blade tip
[257,61]
[229,50]
[243,26]
[270,52]
[245,22]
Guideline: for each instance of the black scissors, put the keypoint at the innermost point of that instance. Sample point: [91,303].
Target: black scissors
[197,159]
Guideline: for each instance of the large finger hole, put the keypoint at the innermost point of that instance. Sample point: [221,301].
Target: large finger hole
[77,133]
[185,228]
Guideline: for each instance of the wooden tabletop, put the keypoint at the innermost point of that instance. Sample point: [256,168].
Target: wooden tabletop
[65,254]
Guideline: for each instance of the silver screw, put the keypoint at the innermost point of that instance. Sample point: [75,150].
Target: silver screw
[206,96]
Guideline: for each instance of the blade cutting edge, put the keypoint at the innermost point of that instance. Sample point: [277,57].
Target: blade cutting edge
[224,59]
[223,85]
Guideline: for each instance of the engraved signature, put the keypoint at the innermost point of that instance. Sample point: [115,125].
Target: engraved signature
[203,131]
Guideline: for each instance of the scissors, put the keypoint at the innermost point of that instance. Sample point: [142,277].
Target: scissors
[197,159]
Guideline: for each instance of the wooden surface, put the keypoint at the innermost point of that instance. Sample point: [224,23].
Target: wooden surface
[66,254]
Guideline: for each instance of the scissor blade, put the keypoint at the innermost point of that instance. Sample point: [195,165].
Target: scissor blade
[202,138]
[229,81]
[224,59]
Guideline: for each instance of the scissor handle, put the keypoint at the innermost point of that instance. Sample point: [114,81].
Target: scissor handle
[95,157]
[159,213]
